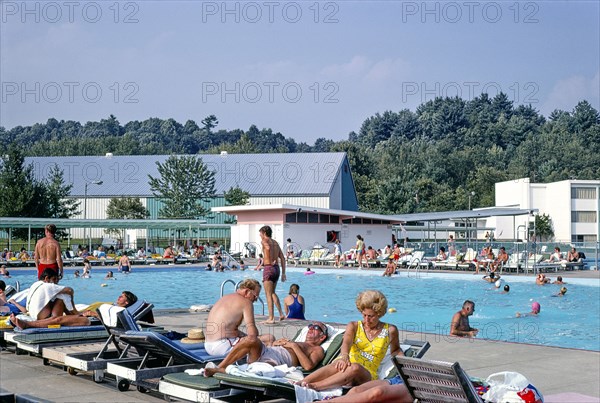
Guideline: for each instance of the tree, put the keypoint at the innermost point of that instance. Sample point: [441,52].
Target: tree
[127,208]
[544,230]
[236,197]
[209,123]
[183,184]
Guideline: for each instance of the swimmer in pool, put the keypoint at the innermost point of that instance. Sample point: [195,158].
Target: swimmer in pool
[562,292]
[535,310]
[308,271]
[559,280]
[491,278]
[506,289]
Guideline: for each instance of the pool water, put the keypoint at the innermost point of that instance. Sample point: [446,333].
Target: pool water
[423,304]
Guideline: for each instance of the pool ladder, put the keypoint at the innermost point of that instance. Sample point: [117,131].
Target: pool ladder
[236,286]
[415,263]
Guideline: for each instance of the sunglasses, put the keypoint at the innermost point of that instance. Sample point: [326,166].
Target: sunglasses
[314,326]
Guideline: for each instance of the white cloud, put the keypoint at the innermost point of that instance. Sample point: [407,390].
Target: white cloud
[567,92]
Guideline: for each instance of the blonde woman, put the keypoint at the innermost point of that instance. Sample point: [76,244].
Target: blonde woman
[364,346]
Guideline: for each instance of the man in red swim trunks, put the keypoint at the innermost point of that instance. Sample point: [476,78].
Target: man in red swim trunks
[272,253]
[48,254]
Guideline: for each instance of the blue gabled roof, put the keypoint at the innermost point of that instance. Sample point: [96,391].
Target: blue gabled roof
[257,174]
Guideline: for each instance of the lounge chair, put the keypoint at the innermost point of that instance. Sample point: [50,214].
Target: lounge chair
[96,361]
[276,389]
[158,356]
[200,389]
[36,340]
[436,381]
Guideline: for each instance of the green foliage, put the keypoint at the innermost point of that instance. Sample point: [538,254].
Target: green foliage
[184,182]
[25,196]
[127,208]
[236,197]
[444,150]
[544,230]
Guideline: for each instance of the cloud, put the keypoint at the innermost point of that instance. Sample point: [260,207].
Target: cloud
[368,71]
[567,92]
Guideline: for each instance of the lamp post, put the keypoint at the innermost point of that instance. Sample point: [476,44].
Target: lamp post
[470,195]
[85,207]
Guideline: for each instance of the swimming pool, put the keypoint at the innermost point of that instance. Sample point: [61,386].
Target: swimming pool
[424,304]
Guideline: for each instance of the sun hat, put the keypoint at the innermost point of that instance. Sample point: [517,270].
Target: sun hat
[195,335]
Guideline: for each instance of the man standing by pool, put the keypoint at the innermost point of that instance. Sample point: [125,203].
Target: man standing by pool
[272,253]
[460,321]
[48,254]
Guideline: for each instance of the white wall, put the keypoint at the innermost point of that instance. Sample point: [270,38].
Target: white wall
[309,201]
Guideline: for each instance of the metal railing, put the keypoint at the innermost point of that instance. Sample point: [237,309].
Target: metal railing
[236,286]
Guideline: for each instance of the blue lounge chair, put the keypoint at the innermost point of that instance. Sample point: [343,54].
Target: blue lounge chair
[159,356]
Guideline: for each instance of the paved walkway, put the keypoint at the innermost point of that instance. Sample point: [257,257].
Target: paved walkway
[563,375]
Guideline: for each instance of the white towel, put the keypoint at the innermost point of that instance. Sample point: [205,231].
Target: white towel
[109,314]
[41,293]
[197,372]
[304,394]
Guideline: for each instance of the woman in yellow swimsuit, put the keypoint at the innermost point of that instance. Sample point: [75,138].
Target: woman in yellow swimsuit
[365,344]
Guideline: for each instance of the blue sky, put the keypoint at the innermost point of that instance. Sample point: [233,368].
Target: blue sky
[306,69]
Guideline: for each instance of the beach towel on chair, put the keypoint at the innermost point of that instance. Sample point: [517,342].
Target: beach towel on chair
[109,314]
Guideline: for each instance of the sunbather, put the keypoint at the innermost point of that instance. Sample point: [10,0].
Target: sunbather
[226,316]
[307,354]
[8,306]
[364,347]
[124,300]
[377,391]
[46,298]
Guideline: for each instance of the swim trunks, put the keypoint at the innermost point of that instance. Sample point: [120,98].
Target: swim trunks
[276,356]
[44,266]
[221,347]
[271,273]
[125,269]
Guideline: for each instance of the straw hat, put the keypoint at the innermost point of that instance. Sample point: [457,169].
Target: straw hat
[194,336]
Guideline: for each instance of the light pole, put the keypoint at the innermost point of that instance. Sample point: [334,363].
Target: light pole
[470,195]
[85,207]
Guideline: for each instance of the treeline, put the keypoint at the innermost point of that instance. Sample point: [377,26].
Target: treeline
[402,162]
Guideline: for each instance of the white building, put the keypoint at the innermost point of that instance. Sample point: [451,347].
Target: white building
[573,205]
[308,226]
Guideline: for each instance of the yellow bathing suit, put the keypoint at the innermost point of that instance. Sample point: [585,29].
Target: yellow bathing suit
[367,353]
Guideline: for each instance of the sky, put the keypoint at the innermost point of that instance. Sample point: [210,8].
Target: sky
[306,69]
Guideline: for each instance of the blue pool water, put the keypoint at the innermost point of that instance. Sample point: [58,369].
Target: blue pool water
[424,304]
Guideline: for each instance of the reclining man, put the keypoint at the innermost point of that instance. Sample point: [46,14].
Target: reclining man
[82,319]
[283,351]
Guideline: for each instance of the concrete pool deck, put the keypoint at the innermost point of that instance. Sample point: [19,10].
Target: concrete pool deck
[561,374]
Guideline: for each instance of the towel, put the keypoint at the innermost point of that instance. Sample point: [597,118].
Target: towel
[108,313]
[40,294]
[304,394]
[196,372]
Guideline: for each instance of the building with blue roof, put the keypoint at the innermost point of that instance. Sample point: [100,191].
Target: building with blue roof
[321,180]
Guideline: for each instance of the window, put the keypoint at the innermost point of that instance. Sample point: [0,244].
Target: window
[366,221]
[290,217]
[324,219]
[356,220]
[583,238]
[313,218]
[347,221]
[583,193]
[334,219]
[583,216]
[302,217]
[332,236]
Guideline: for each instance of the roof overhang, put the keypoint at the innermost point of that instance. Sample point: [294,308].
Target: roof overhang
[289,208]
[27,222]
[465,214]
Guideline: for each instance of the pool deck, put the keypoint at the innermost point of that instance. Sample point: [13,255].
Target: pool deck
[561,374]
